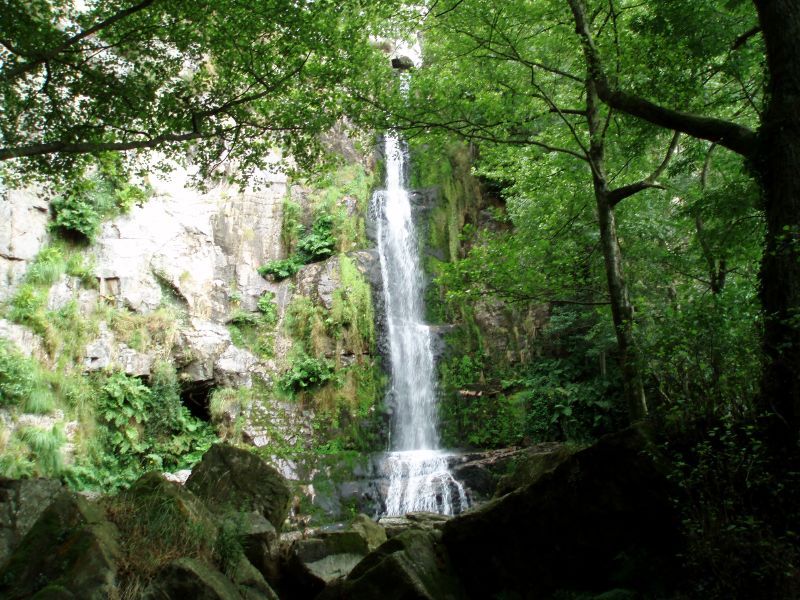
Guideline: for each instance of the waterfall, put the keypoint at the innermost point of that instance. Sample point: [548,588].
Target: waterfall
[418,473]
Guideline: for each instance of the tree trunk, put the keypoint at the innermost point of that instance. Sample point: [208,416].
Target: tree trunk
[778,164]
[621,307]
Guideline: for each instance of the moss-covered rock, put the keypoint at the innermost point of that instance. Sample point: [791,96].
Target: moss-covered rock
[189,578]
[601,519]
[22,502]
[412,565]
[71,549]
[231,479]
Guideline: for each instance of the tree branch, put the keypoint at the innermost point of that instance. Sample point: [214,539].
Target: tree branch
[87,147]
[618,195]
[737,138]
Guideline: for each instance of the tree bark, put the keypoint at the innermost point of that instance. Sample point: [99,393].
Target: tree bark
[778,164]
[621,307]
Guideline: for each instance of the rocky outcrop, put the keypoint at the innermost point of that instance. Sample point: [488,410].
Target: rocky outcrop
[23,339]
[231,479]
[310,564]
[71,552]
[22,501]
[601,519]
[23,231]
[413,564]
[104,352]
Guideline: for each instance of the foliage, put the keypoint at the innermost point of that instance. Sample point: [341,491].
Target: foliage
[17,376]
[319,243]
[281,269]
[307,373]
[268,309]
[140,428]
[86,201]
[737,500]
[261,77]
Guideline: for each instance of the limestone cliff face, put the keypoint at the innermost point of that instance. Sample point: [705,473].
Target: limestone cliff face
[23,230]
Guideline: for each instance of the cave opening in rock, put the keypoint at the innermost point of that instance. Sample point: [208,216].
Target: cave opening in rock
[196,396]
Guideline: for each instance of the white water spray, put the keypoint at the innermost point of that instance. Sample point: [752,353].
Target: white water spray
[419,478]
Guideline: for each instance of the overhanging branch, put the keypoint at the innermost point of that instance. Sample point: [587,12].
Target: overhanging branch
[737,138]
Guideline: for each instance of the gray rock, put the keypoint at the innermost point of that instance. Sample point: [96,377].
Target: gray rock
[22,502]
[416,521]
[261,544]
[23,232]
[189,578]
[229,478]
[234,367]
[25,340]
[104,352]
[71,549]
[412,565]
[319,280]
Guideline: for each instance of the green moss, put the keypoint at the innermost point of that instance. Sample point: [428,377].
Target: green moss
[352,313]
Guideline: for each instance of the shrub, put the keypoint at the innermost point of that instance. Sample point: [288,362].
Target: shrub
[307,373]
[320,243]
[268,308]
[17,376]
[278,270]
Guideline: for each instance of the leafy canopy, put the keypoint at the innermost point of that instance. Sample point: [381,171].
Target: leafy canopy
[231,77]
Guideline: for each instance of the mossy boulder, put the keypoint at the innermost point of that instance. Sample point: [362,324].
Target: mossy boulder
[260,543]
[22,502]
[412,565]
[231,479]
[311,564]
[601,519]
[71,551]
[373,534]
[531,464]
[190,578]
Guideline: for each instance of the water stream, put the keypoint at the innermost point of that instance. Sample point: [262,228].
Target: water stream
[417,469]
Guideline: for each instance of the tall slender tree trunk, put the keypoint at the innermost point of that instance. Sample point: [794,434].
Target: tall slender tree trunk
[778,164]
[621,307]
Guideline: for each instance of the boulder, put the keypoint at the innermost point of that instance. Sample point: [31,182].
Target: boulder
[231,479]
[22,502]
[261,544]
[419,521]
[531,464]
[412,565]
[373,533]
[601,519]
[71,549]
[154,489]
[313,563]
[190,578]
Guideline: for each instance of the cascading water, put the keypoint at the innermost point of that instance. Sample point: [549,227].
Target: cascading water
[419,478]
